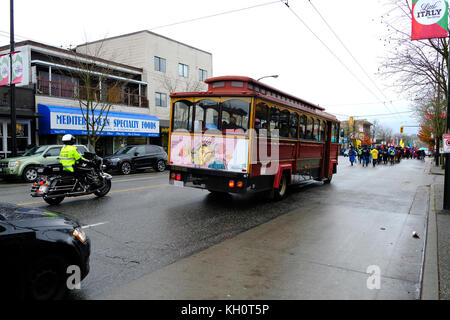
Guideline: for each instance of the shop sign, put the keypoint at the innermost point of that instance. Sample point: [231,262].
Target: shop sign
[63,120]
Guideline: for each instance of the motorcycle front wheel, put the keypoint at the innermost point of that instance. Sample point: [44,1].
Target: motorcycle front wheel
[104,189]
[54,201]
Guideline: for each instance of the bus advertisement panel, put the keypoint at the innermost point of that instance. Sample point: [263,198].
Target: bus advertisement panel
[209,152]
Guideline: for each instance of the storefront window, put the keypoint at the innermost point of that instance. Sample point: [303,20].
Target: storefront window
[22,137]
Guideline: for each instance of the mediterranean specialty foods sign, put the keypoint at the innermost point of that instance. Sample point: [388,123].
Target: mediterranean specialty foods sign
[429,19]
[64,120]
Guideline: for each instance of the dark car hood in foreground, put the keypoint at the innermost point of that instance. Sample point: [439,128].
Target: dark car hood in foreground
[33,218]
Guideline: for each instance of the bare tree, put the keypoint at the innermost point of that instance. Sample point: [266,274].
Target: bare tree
[96,86]
[385,134]
[175,85]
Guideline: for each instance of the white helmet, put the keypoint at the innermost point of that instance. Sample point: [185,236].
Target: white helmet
[68,139]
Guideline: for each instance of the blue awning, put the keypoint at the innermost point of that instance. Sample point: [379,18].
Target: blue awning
[66,120]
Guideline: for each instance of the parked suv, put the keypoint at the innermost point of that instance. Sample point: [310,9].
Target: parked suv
[136,158]
[25,166]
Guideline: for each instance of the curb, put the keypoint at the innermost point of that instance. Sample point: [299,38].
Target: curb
[430,271]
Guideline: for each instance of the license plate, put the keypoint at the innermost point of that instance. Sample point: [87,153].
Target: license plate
[178,183]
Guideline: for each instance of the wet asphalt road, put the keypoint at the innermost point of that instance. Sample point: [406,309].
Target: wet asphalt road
[144,224]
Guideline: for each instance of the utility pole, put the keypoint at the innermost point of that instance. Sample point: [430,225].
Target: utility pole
[447,155]
[12,87]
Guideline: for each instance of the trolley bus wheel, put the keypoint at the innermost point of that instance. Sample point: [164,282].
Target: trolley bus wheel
[280,192]
[328,180]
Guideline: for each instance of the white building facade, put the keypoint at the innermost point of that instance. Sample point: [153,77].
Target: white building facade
[167,66]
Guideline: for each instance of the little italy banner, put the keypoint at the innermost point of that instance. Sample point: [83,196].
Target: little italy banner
[5,69]
[429,19]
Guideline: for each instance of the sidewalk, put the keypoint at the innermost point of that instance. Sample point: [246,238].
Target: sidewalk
[436,280]
[322,250]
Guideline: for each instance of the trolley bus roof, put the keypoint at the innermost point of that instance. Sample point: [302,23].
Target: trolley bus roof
[245,86]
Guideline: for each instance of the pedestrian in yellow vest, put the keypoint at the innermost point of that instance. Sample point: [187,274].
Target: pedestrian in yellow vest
[374,153]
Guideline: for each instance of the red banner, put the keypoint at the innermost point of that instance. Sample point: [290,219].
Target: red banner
[429,19]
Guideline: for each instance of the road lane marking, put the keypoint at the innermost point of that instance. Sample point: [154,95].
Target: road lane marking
[94,225]
[88,195]
[140,188]
[128,180]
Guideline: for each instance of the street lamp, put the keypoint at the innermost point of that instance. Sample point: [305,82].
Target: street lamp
[274,76]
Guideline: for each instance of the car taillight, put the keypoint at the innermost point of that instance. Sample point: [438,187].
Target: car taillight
[231,183]
[240,184]
[178,177]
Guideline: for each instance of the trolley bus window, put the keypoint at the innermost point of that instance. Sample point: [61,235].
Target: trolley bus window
[334,133]
[309,128]
[293,125]
[284,123]
[336,126]
[325,132]
[261,117]
[182,116]
[235,115]
[322,130]
[302,127]
[317,129]
[274,121]
[199,119]
[209,111]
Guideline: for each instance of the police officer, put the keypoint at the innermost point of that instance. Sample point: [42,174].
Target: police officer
[69,155]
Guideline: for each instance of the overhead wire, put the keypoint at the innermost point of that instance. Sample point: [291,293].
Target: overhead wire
[350,53]
[331,51]
[214,15]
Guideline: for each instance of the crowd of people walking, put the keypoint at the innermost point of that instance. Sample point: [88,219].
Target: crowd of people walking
[382,154]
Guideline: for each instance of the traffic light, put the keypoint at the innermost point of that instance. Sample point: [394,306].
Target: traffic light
[401,129]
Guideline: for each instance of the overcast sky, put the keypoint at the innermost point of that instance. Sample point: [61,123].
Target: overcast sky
[264,40]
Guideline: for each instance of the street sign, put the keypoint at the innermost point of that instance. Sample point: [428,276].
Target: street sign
[446,143]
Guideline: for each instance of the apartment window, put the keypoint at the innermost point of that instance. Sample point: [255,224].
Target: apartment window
[160,64]
[202,74]
[183,70]
[160,99]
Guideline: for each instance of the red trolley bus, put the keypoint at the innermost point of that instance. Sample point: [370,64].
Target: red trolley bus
[243,135]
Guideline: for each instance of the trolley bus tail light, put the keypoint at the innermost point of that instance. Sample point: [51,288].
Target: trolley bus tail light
[231,183]
[240,184]
[178,177]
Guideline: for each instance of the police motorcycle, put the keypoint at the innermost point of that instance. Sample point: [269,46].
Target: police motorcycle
[53,184]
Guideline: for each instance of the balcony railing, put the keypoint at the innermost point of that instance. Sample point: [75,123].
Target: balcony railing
[74,91]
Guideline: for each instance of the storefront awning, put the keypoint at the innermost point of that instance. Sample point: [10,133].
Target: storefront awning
[66,120]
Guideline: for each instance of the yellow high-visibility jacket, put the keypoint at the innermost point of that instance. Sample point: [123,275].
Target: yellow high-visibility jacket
[69,156]
[374,153]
